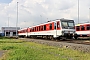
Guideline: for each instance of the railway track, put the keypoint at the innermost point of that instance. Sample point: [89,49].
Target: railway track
[80,45]
[86,42]
[78,41]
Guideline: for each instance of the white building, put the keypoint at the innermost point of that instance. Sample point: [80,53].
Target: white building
[9,31]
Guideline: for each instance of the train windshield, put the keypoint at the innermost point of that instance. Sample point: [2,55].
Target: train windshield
[67,24]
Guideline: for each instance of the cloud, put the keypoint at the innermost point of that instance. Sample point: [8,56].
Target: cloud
[37,11]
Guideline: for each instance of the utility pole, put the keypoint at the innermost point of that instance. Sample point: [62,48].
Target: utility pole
[8,26]
[41,18]
[89,14]
[17,20]
[47,19]
[78,11]
[24,23]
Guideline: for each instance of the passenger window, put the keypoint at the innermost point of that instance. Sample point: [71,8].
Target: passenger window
[41,27]
[50,26]
[26,30]
[88,27]
[54,25]
[44,27]
[23,31]
[82,28]
[58,24]
[32,29]
[37,28]
[77,28]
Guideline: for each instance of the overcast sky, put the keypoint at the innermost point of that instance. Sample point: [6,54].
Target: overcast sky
[33,12]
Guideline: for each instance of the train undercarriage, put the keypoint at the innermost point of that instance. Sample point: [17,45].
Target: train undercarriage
[50,37]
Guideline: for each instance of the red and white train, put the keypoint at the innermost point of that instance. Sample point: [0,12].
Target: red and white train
[59,28]
[83,30]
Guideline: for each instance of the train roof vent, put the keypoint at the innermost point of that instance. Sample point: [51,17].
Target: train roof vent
[49,21]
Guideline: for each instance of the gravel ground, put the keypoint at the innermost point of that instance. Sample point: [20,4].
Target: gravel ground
[80,47]
[1,53]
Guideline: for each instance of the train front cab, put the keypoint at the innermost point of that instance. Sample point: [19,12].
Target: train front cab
[22,33]
[68,29]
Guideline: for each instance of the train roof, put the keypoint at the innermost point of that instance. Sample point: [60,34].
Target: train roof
[62,19]
[81,24]
[22,29]
[51,21]
[65,19]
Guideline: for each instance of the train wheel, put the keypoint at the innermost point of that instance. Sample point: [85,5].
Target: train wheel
[63,38]
[32,37]
[51,38]
[76,37]
[46,37]
[35,37]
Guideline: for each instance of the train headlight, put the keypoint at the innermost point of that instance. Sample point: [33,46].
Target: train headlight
[63,32]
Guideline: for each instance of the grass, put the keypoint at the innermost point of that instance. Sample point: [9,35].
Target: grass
[20,50]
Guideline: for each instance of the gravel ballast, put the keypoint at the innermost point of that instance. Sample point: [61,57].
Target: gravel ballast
[80,47]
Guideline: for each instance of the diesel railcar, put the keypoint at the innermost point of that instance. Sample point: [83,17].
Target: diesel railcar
[59,28]
[83,30]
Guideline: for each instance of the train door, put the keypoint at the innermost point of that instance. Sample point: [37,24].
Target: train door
[57,28]
[28,31]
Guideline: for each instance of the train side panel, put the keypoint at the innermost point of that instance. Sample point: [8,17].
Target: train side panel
[83,30]
[53,29]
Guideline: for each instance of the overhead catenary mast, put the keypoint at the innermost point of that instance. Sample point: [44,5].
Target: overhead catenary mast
[8,26]
[89,15]
[78,11]
[17,20]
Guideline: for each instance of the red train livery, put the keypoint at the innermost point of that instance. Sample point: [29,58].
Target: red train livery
[83,30]
[59,28]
